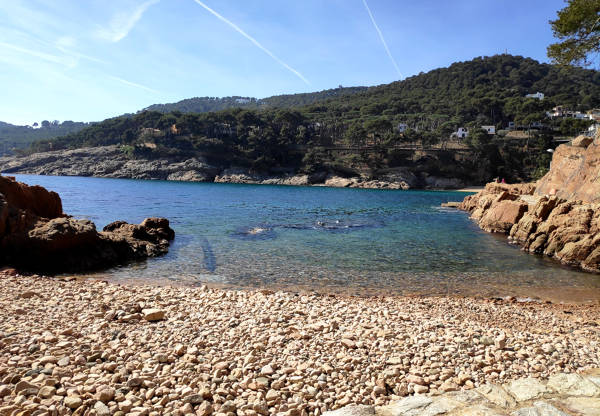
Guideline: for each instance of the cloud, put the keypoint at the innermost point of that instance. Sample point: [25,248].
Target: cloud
[122,23]
[37,54]
[254,41]
[133,84]
[382,38]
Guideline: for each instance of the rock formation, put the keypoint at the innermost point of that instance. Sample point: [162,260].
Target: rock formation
[568,231]
[574,171]
[559,216]
[111,162]
[35,235]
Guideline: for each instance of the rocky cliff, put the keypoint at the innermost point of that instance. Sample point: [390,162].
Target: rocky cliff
[574,172]
[36,235]
[111,162]
[559,216]
[566,230]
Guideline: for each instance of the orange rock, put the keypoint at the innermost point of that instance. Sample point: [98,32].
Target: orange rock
[502,216]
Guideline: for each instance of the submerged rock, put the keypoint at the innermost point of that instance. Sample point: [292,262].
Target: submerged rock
[35,235]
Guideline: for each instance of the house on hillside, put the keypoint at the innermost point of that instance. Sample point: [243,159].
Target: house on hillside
[489,129]
[461,133]
[594,114]
[564,112]
[538,95]
[402,127]
[558,111]
[150,132]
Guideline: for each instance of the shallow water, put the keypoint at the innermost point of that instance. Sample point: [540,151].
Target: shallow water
[355,241]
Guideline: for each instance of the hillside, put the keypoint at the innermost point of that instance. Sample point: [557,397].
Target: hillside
[213,104]
[14,137]
[357,133]
[18,137]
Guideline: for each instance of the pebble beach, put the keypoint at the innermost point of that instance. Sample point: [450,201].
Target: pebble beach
[92,347]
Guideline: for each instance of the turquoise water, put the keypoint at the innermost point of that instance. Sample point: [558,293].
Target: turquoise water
[351,240]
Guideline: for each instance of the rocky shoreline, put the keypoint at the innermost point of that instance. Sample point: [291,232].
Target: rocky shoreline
[112,162]
[91,347]
[36,235]
[559,216]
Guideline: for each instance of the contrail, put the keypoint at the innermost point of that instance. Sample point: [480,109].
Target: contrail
[382,38]
[254,41]
[133,84]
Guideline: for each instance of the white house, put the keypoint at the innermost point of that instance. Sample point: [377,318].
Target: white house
[538,95]
[402,127]
[489,129]
[461,133]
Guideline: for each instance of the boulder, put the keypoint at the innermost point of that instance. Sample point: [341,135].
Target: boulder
[582,141]
[36,236]
[567,230]
[502,216]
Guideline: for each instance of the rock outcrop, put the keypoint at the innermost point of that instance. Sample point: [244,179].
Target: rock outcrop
[559,216]
[112,162]
[35,235]
[109,162]
[568,231]
[574,171]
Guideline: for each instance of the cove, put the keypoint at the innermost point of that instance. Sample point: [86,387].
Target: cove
[355,241]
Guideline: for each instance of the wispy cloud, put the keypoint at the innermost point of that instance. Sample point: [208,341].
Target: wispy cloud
[37,54]
[133,84]
[254,41]
[122,22]
[382,38]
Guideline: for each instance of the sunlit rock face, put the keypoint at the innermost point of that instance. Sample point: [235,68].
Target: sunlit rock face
[574,172]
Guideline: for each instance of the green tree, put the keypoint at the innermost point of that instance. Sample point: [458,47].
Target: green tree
[578,29]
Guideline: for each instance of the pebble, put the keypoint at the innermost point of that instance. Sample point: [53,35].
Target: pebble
[153,314]
[73,402]
[255,353]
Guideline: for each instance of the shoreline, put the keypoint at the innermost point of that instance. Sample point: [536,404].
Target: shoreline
[273,351]
[391,186]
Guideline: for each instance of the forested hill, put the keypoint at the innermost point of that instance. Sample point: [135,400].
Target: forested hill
[483,91]
[12,136]
[213,104]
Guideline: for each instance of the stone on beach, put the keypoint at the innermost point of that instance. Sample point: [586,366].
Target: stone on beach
[153,314]
[216,351]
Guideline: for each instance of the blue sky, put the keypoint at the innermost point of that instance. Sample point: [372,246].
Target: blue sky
[87,60]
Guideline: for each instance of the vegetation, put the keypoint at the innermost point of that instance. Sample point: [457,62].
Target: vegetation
[578,29]
[213,104]
[12,136]
[359,131]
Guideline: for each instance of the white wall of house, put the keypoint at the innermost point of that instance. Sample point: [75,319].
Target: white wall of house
[489,129]
[538,95]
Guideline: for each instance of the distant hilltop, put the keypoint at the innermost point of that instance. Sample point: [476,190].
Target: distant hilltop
[473,121]
[211,104]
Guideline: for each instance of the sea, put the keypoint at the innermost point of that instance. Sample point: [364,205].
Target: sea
[357,242]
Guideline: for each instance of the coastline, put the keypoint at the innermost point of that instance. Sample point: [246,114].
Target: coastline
[273,351]
[337,182]
[111,162]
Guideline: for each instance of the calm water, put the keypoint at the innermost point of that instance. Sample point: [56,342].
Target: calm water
[351,240]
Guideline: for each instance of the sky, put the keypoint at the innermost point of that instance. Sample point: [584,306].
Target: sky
[87,60]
